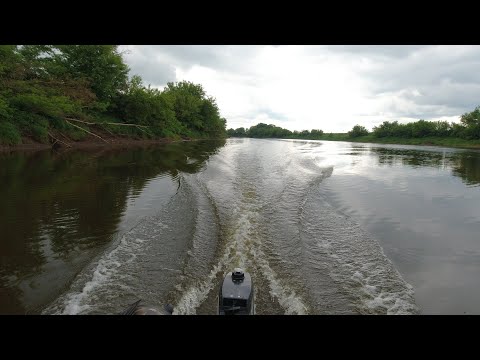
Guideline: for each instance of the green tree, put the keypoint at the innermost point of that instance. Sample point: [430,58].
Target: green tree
[442,128]
[385,129]
[240,132]
[42,85]
[193,108]
[316,134]
[471,121]
[358,130]
[101,65]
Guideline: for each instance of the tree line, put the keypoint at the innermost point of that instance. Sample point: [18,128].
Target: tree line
[69,88]
[468,129]
[262,130]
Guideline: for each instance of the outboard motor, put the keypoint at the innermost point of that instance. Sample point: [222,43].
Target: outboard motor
[236,295]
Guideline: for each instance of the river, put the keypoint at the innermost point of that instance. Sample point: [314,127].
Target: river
[323,228]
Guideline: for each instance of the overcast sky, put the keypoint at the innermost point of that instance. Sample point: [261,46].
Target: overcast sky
[329,87]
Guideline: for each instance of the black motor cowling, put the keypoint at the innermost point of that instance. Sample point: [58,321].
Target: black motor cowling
[238,275]
[236,295]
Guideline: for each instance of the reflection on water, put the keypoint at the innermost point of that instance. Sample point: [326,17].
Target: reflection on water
[464,164]
[422,204]
[58,210]
[467,166]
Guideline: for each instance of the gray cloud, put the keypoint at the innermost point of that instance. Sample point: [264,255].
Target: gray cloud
[153,67]
[225,57]
[272,114]
[429,67]
[154,73]
[437,80]
[217,57]
[391,51]
[453,95]
[412,81]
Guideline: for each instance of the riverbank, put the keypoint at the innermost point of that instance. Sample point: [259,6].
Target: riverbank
[59,142]
[427,141]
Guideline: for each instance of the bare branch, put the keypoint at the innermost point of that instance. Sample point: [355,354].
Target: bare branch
[125,124]
[84,122]
[58,140]
[109,123]
[88,131]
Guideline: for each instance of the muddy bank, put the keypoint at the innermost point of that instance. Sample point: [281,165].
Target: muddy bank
[91,142]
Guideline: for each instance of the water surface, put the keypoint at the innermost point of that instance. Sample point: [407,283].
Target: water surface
[323,227]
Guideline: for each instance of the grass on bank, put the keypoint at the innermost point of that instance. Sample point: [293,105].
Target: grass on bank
[431,140]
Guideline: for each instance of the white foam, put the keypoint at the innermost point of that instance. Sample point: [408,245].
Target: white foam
[106,267]
[104,272]
[361,267]
[244,251]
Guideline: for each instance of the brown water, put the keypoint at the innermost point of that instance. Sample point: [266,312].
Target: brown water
[323,227]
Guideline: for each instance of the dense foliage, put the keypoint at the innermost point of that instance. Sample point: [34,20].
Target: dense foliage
[42,86]
[271,131]
[467,129]
[357,131]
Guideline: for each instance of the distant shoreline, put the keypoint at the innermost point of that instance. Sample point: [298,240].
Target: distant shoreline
[426,141]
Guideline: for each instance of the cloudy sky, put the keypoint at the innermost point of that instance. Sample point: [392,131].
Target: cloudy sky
[329,87]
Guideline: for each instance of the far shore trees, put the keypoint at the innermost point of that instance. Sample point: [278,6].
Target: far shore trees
[467,130]
[357,131]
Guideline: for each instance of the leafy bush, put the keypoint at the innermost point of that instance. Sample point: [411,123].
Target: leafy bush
[357,131]
[39,133]
[5,110]
[9,134]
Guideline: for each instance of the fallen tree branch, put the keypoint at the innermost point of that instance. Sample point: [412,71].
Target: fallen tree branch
[58,140]
[84,122]
[109,123]
[65,136]
[105,128]
[88,131]
[125,124]
[146,132]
